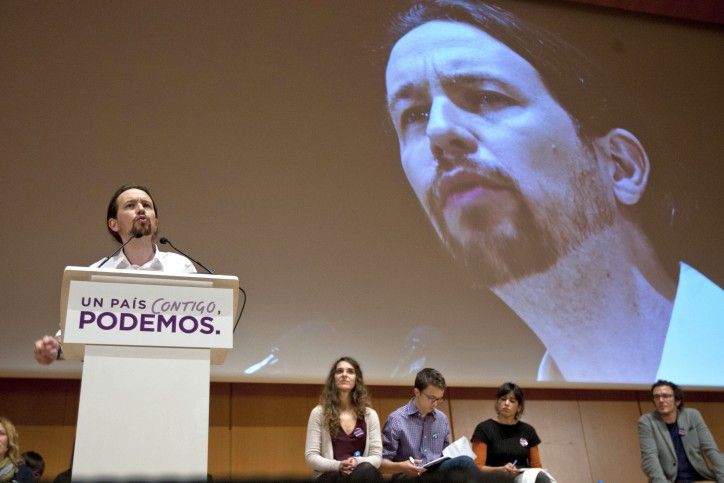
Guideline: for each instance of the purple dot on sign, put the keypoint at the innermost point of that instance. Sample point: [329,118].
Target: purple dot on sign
[218,332]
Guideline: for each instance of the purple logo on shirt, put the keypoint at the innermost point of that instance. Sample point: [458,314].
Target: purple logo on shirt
[358,433]
[523,442]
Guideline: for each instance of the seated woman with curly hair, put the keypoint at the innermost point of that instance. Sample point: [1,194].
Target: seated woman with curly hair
[10,458]
[343,434]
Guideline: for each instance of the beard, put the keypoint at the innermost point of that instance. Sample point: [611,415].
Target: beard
[536,235]
[142,229]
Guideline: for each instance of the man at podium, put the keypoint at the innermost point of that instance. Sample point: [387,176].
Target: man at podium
[132,219]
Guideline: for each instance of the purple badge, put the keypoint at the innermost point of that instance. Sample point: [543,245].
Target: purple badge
[523,442]
[358,433]
[682,431]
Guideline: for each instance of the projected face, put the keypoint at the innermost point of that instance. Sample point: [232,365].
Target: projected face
[494,160]
[136,214]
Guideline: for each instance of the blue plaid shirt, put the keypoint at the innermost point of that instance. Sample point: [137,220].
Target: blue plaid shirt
[406,434]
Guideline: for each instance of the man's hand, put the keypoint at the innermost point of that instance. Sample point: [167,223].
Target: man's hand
[412,467]
[46,350]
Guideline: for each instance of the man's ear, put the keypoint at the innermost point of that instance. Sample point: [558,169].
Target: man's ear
[627,165]
[113,224]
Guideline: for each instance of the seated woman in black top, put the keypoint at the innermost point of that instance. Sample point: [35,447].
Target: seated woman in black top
[506,446]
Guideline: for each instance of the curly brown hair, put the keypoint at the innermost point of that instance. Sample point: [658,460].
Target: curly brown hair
[13,451]
[329,399]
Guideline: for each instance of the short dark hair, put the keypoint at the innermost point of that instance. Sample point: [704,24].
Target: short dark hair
[113,206]
[35,462]
[429,377]
[575,82]
[678,392]
[509,387]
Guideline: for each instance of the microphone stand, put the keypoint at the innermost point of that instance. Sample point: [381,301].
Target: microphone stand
[135,235]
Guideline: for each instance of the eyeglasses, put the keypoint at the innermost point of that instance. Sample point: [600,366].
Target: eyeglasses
[433,399]
[662,396]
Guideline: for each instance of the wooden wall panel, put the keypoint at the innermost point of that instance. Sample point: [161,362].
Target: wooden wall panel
[36,401]
[72,401]
[611,438]
[268,451]
[220,405]
[54,442]
[220,431]
[467,413]
[259,429]
[272,405]
[220,455]
[386,399]
[268,429]
[563,450]
[713,413]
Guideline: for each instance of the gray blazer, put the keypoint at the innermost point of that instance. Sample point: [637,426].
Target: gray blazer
[658,458]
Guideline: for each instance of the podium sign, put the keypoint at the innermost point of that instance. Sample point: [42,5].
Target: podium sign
[147,340]
[141,308]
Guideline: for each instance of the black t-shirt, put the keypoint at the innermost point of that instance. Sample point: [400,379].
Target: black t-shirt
[507,442]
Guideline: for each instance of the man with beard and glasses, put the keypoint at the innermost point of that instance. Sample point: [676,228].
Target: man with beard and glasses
[508,139]
[131,214]
[675,442]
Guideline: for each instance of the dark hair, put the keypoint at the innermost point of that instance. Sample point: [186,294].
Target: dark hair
[583,90]
[678,392]
[35,462]
[329,399]
[506,389]
[576,83]
[429,377]
[113,205]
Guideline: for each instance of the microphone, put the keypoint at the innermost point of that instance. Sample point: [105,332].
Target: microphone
[166,241]
[135,235]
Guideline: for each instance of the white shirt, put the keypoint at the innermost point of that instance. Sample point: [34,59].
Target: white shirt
[692,349]
[692,352]
[162,261]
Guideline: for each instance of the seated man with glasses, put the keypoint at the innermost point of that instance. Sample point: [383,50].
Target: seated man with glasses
[416,433]
[674,440]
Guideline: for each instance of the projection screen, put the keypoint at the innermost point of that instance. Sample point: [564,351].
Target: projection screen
[267,136]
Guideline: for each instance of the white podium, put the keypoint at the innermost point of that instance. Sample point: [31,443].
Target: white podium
[147,340]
